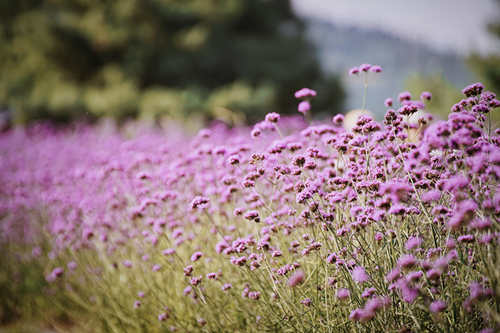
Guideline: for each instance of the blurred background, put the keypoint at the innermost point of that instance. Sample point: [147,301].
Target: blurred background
[235,60]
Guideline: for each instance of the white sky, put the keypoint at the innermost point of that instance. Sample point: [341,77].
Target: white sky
[457,25]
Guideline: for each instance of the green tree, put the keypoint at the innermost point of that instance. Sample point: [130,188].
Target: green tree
[487,67]
[228,59]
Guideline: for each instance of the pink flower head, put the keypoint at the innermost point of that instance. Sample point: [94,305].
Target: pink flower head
[168,252]
[354,71]
[304,107]
[256,132]
[413,242]
[388,102]
[305,93]
[343,293]
[272,117]
[365,67]
[338,119]
[252,215]
[404,96]
[473,89]
[72,265]
[356,314]
[296,279]
[376,69]
[432,195]
[437,306]
[195,256]
[359,274]
[425,96]
[199,202]
[407,260]
[306,301]
[393,274]
[57,272]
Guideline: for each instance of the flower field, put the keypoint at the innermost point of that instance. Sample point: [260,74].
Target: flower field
[288,226]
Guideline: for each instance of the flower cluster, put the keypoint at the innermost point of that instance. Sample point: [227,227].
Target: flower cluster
[388,226]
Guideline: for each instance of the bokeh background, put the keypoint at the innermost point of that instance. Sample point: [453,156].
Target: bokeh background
[197,61]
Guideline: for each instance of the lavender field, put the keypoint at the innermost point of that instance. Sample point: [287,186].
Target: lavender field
[287,226]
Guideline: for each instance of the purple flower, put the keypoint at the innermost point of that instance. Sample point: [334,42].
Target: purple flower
[413,242]
[305,93]
[356,314]
[408,293]
[199,202]
[404,96]
[306,301]
[188,270]
[425,96]
[473,89]
[368,292]
[338,119]
[168,252]
[304,107]
[376,69]
[56,273]
[354,71]
[365,67]
[388,102]
[407,260]
[466,238]
[195,280]
[296,279]
[343,294]
[255,295]
[437,306]
[252,215]
[256,132]
[432,195]
[359,274]
[414,276]
[393,275]
[272,117]
[195,256]
[72,265]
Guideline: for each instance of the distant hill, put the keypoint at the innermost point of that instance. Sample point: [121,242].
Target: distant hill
[342,47]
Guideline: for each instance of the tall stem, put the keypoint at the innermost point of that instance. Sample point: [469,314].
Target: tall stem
[365,87]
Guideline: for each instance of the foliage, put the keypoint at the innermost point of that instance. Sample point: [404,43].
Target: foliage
[488,66]
[71,59]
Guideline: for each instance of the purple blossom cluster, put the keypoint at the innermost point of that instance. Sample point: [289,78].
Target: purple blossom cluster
[377,225]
